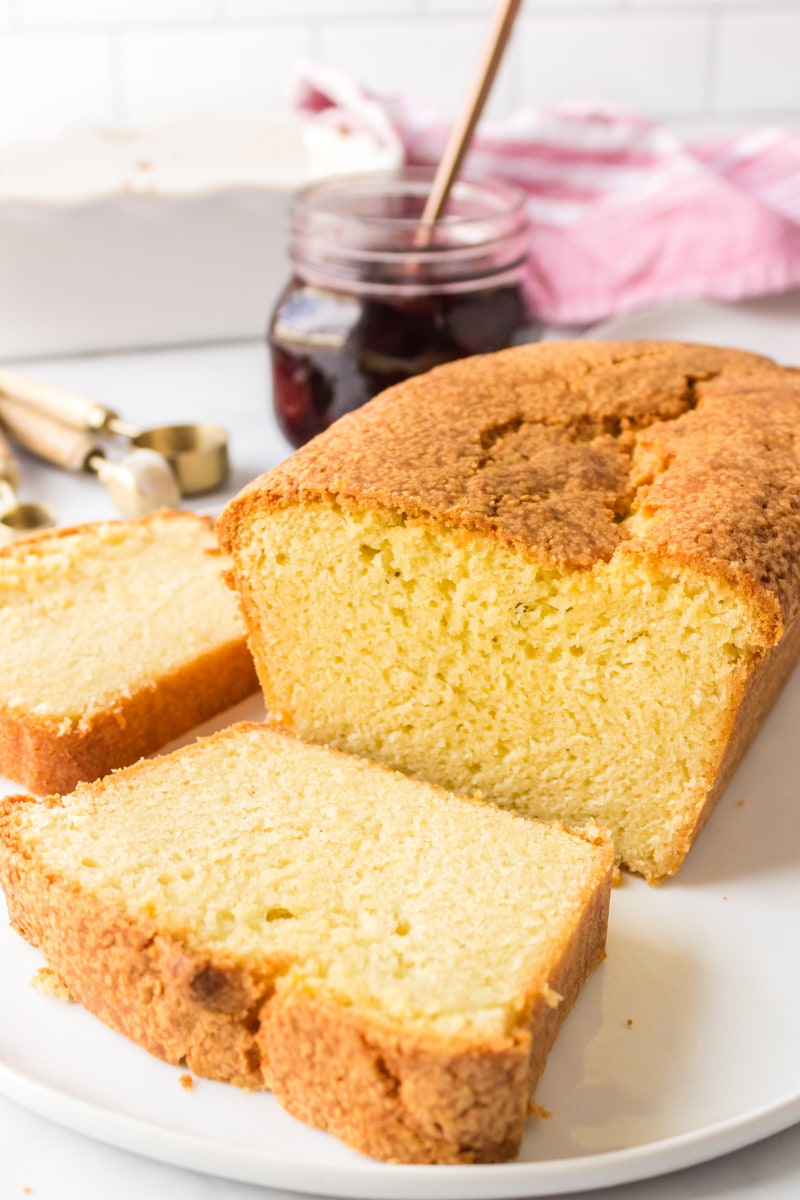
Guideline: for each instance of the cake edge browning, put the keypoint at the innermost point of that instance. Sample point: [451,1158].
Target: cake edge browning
[418,447]
[320,474]
[188,1008]
[409,1099]
[753,696]
[396,1094]
[40,755]
[758,694]
[44,756]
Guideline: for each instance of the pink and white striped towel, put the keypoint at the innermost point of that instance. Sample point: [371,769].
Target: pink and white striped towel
[624,215]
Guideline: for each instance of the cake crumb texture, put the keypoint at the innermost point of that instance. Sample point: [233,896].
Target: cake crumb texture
[118,637]
[394,962]
[51,984]
[565,576]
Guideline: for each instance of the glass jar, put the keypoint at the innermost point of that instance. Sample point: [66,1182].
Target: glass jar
[373,300]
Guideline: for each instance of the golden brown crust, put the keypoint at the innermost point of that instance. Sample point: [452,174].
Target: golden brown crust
[179,1004]
[21,546]
[406,1098]
[397,1094]
[551,447]
[55,755]
[574,453]
[757,694]
[392,1096]
[45,757]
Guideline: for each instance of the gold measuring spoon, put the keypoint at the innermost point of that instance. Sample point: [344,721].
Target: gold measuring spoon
[197,453]
[16,517]
[137,483]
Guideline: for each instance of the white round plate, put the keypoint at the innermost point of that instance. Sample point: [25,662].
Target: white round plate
[768,325]
[682,1046]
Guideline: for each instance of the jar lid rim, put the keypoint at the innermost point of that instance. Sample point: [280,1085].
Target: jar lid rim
[307,200]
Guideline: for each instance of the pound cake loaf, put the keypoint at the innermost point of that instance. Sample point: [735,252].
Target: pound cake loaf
[117,637]
[393,961]
[565,576]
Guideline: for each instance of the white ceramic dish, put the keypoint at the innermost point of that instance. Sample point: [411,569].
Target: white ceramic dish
[683,1045]
[119,238]
[768,325]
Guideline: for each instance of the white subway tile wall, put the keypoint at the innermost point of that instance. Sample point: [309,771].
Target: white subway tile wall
[759,61]
[655,62]
[51,79]
[264,9]
[701,65]
[114,12]
[190,71]
[433,58]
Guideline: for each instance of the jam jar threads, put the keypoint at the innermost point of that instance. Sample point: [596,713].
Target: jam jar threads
[372,300]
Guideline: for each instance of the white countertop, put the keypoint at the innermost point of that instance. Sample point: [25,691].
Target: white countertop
[228,384]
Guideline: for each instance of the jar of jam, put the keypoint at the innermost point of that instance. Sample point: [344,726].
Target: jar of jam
[373,300]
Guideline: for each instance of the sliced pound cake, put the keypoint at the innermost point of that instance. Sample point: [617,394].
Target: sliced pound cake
[393,961]
[565,576]
[117,637]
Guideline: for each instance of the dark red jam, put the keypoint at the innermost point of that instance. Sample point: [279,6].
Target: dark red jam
[332,352]
[375,298]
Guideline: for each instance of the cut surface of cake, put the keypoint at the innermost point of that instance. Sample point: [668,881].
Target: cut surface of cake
[565,576]
[393,961]
[117,637]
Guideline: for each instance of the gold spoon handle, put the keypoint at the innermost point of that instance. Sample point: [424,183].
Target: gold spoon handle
[9,470]
[69,408]
[58,444]
[137,484]
[458,143]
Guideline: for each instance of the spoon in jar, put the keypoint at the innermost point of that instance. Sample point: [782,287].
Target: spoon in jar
[461,135]
[16,517]
[197,453]
[137,483]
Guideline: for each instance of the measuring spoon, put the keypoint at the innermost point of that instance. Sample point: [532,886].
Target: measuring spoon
[16,517]
[137,483]
[197,453]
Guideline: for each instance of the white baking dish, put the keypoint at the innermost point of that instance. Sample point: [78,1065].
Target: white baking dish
[113,239]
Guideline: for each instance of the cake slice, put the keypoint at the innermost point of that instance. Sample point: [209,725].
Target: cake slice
[117,637]
[393,961]
[566,576]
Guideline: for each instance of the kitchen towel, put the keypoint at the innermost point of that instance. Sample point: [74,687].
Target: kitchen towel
[624,215]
